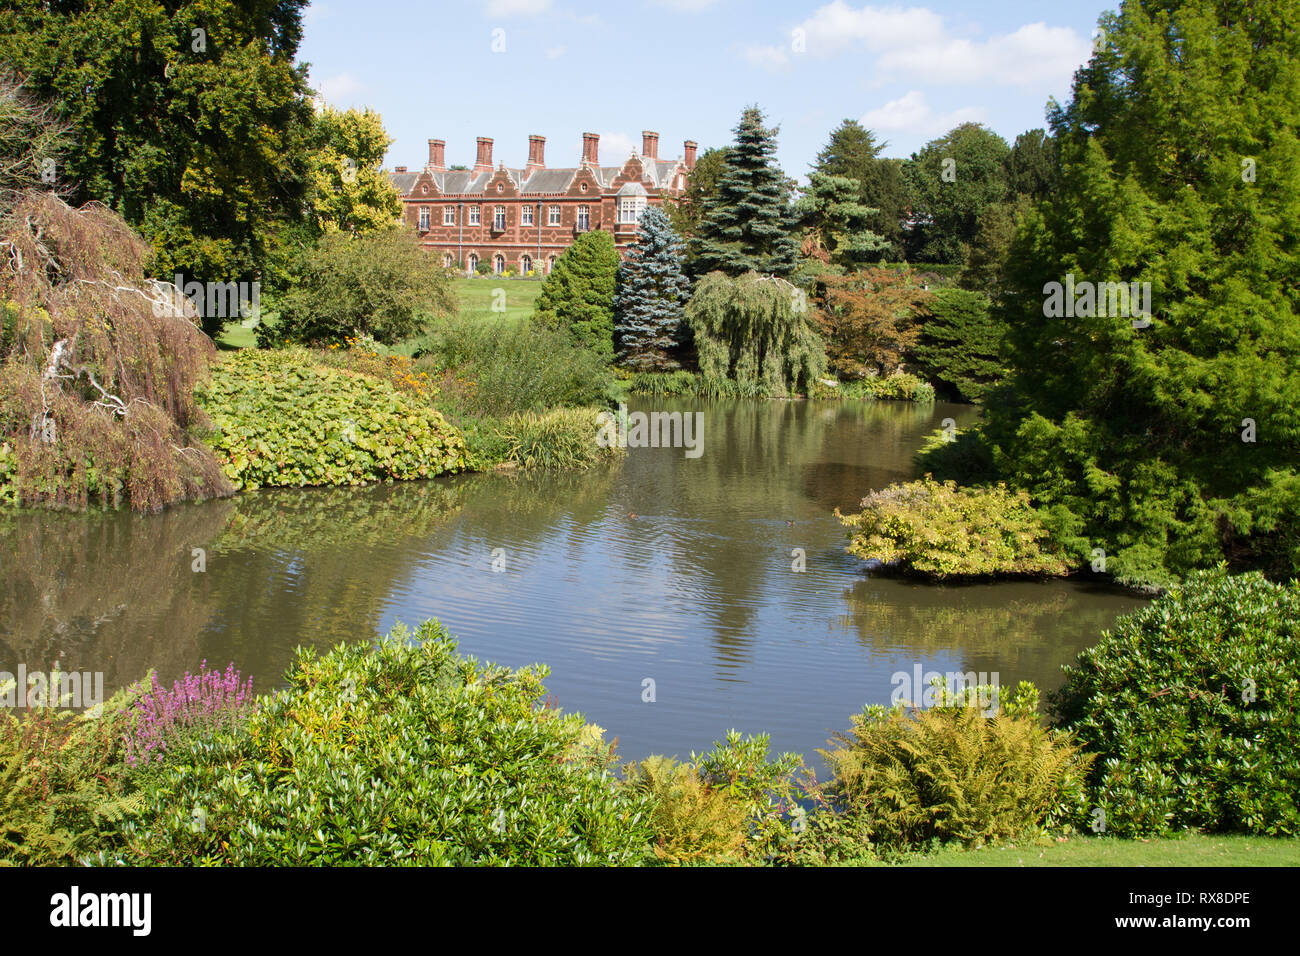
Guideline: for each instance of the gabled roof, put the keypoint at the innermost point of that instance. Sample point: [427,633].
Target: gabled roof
[464,182]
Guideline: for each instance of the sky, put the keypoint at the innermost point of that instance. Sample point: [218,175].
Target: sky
[687,68]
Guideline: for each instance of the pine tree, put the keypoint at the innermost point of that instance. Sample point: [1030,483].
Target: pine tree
[747,224]
[854,152]
[578,295]
[838,223]
[651,293]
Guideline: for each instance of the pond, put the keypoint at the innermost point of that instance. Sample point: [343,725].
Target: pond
[666,568]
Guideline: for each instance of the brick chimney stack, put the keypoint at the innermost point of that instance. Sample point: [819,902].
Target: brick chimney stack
[399,169]
[691,147]
[536,153]
[437,152]
[649,144]
[590,149]
[484,162]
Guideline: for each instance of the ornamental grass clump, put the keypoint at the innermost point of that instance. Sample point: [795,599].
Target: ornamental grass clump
[196,705]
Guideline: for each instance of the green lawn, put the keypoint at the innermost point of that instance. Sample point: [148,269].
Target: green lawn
[478,296]
[1193,850]
[235,336]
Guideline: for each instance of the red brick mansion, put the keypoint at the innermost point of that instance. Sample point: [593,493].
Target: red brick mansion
[523,218]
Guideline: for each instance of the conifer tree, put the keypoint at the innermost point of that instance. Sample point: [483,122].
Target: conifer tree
[578,295]
[748,224]
[1169,440]
[651,293]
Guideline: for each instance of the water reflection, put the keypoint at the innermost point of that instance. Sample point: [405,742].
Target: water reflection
[661,567]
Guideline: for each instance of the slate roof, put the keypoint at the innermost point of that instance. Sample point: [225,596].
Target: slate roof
[461,182]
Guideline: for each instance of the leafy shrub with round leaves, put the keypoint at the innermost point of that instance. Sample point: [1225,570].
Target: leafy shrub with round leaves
[1192,705]
[281,418]
[400,753]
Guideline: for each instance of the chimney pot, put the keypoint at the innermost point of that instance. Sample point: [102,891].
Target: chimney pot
[649,144]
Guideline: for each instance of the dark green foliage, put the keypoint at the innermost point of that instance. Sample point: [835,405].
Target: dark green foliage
[853,152]
[401,753]
[1033,165]
[837,223]
[747,224]
[948,209]
[1180,164]
[379,283]
[578,295]
[961,343]
[755,330]
[701,185]
[1191,706]
[649,299]
[196,140]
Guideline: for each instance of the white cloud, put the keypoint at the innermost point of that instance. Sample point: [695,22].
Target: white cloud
[555,52]
[516,8]
[916,42]
[912,113]
[615,148]
[767,57]
[334,89]
[686,6]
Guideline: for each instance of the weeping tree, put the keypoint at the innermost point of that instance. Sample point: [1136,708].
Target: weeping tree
[755,330]
[99,366]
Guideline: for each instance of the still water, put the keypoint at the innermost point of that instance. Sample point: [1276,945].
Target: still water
[665,567]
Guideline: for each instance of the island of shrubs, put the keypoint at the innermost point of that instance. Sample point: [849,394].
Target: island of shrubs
[401,751]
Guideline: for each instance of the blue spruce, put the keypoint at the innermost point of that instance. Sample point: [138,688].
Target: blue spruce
[652,291]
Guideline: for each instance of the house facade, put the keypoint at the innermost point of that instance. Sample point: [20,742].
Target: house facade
[523,218]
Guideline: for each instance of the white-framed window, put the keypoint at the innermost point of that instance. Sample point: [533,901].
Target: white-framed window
[471,264]
[473,215]
[526,215]
[449,215]
[498,263]
[447,260]
[499,217]
[584,218]
[424,218]
[552,215]
[550,264]
[630,208]
[525,264]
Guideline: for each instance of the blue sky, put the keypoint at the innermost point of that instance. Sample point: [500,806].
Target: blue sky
[686,68]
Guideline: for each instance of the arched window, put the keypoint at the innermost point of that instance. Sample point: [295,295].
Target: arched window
[472,262]
[550,265]
[447,260]
[498,263]
[525,264]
